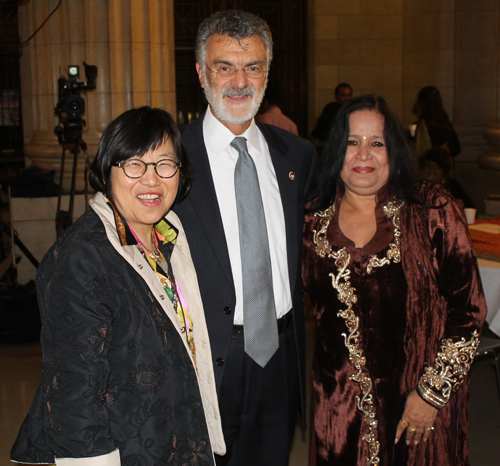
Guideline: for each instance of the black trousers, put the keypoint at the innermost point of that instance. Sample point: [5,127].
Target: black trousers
[258,405]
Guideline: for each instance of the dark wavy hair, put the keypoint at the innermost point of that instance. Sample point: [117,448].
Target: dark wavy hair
[134,133]
[430,107]
[402,175]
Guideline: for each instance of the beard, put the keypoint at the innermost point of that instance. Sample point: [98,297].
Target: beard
[228,112]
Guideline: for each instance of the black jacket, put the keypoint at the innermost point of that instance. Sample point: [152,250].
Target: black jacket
[294,161]
[117,373]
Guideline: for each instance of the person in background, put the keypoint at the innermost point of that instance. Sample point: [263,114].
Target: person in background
[343,93]
[434,128]
[435,166]
[390,269]
[272,114]
[319,135]
[244,219]
[127,373]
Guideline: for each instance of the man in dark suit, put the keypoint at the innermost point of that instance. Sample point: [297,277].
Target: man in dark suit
[244,219]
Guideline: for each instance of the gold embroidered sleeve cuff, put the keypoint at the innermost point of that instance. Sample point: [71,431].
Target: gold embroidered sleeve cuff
[438,383]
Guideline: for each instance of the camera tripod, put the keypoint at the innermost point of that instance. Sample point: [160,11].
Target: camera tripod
[65,218]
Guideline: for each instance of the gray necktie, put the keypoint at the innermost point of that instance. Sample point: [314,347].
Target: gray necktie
[260,328]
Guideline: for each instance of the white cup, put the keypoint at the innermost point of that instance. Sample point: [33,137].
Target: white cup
[470,214]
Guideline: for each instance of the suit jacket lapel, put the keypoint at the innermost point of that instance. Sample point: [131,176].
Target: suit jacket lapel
[284,168]
[203,197]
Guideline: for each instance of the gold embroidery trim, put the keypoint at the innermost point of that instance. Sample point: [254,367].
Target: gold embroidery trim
[346,295]
[391,209]
[438,383]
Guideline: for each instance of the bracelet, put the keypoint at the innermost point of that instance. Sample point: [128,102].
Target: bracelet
[438,383]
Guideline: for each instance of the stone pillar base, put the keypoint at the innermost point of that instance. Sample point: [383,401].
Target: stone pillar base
[490,159]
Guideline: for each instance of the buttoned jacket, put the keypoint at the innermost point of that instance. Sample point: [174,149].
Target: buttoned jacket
[294,160]
[117,371]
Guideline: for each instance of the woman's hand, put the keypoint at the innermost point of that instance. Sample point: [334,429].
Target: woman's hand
[418,418]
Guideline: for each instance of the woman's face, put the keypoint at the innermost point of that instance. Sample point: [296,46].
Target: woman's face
[366,164]
[144,201]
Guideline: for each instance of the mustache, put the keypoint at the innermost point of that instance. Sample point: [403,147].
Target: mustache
[238,91]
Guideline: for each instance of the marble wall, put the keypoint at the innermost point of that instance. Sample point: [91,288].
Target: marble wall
[355,41]
[428,51]
[389,47]
[396,47]
[477,94]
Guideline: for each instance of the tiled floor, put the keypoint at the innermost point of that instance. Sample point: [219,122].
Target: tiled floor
[20,370]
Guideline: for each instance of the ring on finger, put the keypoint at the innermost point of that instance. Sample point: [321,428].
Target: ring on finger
[413,430]
[429,428]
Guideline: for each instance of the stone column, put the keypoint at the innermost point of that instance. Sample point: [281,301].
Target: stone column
[476,92]
[490,158]
[130,41]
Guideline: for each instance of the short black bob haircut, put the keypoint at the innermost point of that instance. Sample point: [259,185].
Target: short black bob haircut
[133,134]
[401,170]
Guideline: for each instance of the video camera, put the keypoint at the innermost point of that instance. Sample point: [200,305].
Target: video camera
[70,127]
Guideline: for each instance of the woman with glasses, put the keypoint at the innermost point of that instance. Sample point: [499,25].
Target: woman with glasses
[127,367]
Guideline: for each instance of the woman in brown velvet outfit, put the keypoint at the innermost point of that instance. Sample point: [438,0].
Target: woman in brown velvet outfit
[389,267]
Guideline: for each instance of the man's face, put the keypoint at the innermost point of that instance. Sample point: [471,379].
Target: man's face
[234,100]
[343,95]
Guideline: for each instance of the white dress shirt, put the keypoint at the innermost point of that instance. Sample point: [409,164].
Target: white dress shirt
[222,157]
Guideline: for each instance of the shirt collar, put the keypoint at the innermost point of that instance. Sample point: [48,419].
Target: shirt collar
[167,233]
[220,137]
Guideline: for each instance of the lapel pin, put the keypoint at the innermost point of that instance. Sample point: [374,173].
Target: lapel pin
[291,175]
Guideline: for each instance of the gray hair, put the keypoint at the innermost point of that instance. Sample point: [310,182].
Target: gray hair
[236,24]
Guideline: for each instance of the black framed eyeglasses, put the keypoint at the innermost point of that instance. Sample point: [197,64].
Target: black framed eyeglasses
[164,168]
[223,70]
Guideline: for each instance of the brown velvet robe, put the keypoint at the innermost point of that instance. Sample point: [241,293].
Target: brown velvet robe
[405,310]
